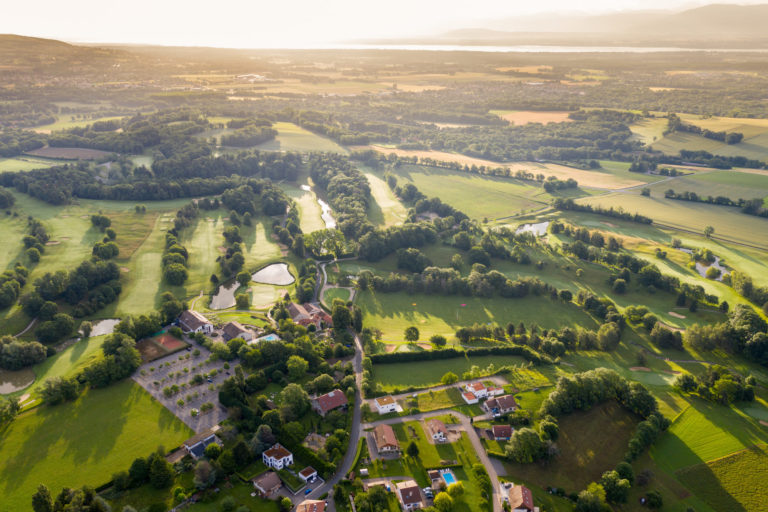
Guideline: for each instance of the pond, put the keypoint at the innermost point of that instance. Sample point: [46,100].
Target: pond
[12,381]
[225,296]
[330,222]
[106,326]
[538,229]
[276,274]
[702,269]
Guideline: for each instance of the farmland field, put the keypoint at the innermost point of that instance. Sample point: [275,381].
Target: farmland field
[23,163]
[521,117]
[65,122]
[732,184]
[291,137]
[69,153]
[81,443]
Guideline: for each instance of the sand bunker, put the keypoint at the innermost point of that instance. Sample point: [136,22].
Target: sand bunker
[124,269]
[764,423]
[52,242]
[640,369]
[676,315]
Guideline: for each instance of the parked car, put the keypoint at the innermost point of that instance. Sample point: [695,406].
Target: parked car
[307,491]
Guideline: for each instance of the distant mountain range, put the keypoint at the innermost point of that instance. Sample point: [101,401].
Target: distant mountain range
[710,26]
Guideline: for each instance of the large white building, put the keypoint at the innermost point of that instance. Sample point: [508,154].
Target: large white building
[385,404]
[277,457]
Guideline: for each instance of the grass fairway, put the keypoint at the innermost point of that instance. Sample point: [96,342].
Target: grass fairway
[24,163]
[385,209]
[66,121]
[291,137]
[433,314]
[83,442]
[584,456]
[203,240]
[309,210]
[335,293]
[429,373]
[736,482]
[704,432]
[649,130]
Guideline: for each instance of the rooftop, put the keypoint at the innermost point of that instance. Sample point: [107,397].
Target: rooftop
[385,400]
[311,506]
[520,497]
[308,471]
[268,480]
[278,452]
[332,400]
[384,435]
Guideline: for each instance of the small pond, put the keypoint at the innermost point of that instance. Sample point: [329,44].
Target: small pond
[538,229]
[702,269]
[106,326]
[276,274]
[225,296]
[12,381]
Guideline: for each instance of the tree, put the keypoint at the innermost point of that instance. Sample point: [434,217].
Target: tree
[285,505]
[412,334]
[205,474]
[160,472]
[243,301]
[86,327]
[412,450]
[297,367]
[449,378]
[624,469]
[438,340]
[243,278]
[294,402]
[592,499]
[616,488]
[41,500]
[525,446]
[456,490]
[212,451]
[139,471]
[608,336]
[443,502]
[654,500]
[33,254]
[709,231]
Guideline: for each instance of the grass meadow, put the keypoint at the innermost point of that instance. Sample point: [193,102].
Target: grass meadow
[291,137]
[385,209]
[24,163]
[83,442]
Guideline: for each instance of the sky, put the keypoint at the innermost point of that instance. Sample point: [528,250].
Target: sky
[278,23]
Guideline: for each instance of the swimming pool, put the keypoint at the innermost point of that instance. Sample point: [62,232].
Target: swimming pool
[449,478]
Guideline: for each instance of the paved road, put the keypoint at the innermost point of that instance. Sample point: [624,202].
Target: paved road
[477,444]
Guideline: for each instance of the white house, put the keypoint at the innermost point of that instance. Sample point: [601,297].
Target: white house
[192,321]
[410,495]
[308,474]
[277,457]
[386,404]
[478,389]
[437,430]
[494,391]
[470,398]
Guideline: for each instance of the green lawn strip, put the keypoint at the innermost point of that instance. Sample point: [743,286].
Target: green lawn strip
[290,481]
[385,208]
[83,442]
[309,209]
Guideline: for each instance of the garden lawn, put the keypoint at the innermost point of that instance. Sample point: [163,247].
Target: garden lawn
[83,442]
[335,293]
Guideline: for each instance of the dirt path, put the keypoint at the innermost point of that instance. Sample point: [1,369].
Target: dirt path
[31,324]
[194,301]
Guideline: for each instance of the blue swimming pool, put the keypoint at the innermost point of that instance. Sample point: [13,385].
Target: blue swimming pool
[449,478]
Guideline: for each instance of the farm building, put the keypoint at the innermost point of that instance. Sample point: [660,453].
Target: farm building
[311,506]
[501,432]
[501,405]
[267,484]
[309,314]
[470,398]
[277,457]
[308,474]
[410,495]
[323,404]
[385,404]
[233,330]
[196,445]
[437,430]
[192,321]
[385,439]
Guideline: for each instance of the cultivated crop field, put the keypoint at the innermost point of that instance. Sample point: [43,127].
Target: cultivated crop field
[731,184]
[522,117]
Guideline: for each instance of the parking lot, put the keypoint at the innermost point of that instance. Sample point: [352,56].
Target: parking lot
[178,370]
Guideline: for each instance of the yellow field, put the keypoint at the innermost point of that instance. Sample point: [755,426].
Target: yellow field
[522,117]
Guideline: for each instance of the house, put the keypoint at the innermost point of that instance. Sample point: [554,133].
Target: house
[436,480]
[309,314]
[385,404]
[410,495]
[494,391]
[308,474]
[500,405]
[267,484]
[478,389]
[502,432]
[277,457]
[436,429]
[323,404]
[470,398]
[385,439]
[521,499]
[195,445]
[192,321]
[233,330]
[311,506]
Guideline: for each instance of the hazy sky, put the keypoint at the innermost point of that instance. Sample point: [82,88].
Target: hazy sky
[276,23]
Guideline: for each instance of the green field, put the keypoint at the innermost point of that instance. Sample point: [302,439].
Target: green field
[429,373]
[66,121]
[309,209]
[732,184]
[385,208]
[649,130]
[24,163]
[83,442]
[736,482]
[291,137]
[335,293]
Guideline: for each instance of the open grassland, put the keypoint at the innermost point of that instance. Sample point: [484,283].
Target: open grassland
[259,246]
[729,223]
[291,137]
[584,456]
[335,293]
[649,130]
[428,373]
[83,442]
[736,482]
[67,121]
[732,184]
[385,208]
[203,240]
[610,179]
[432,314]
[24,163]
[522,117]
[706,431]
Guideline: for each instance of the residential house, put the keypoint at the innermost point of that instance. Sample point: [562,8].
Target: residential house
[308,474]
[277,457]
[309,314]
[323,404]
[470,398]
[192,321]
[500,405]
[478,389]
[267,484]
[311,506]
[233,330]
[437,430]
[385,439]
[502,432]
[494,391]
[436,480]
[521,499]
[385,404]
[410,495]
[195,445]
